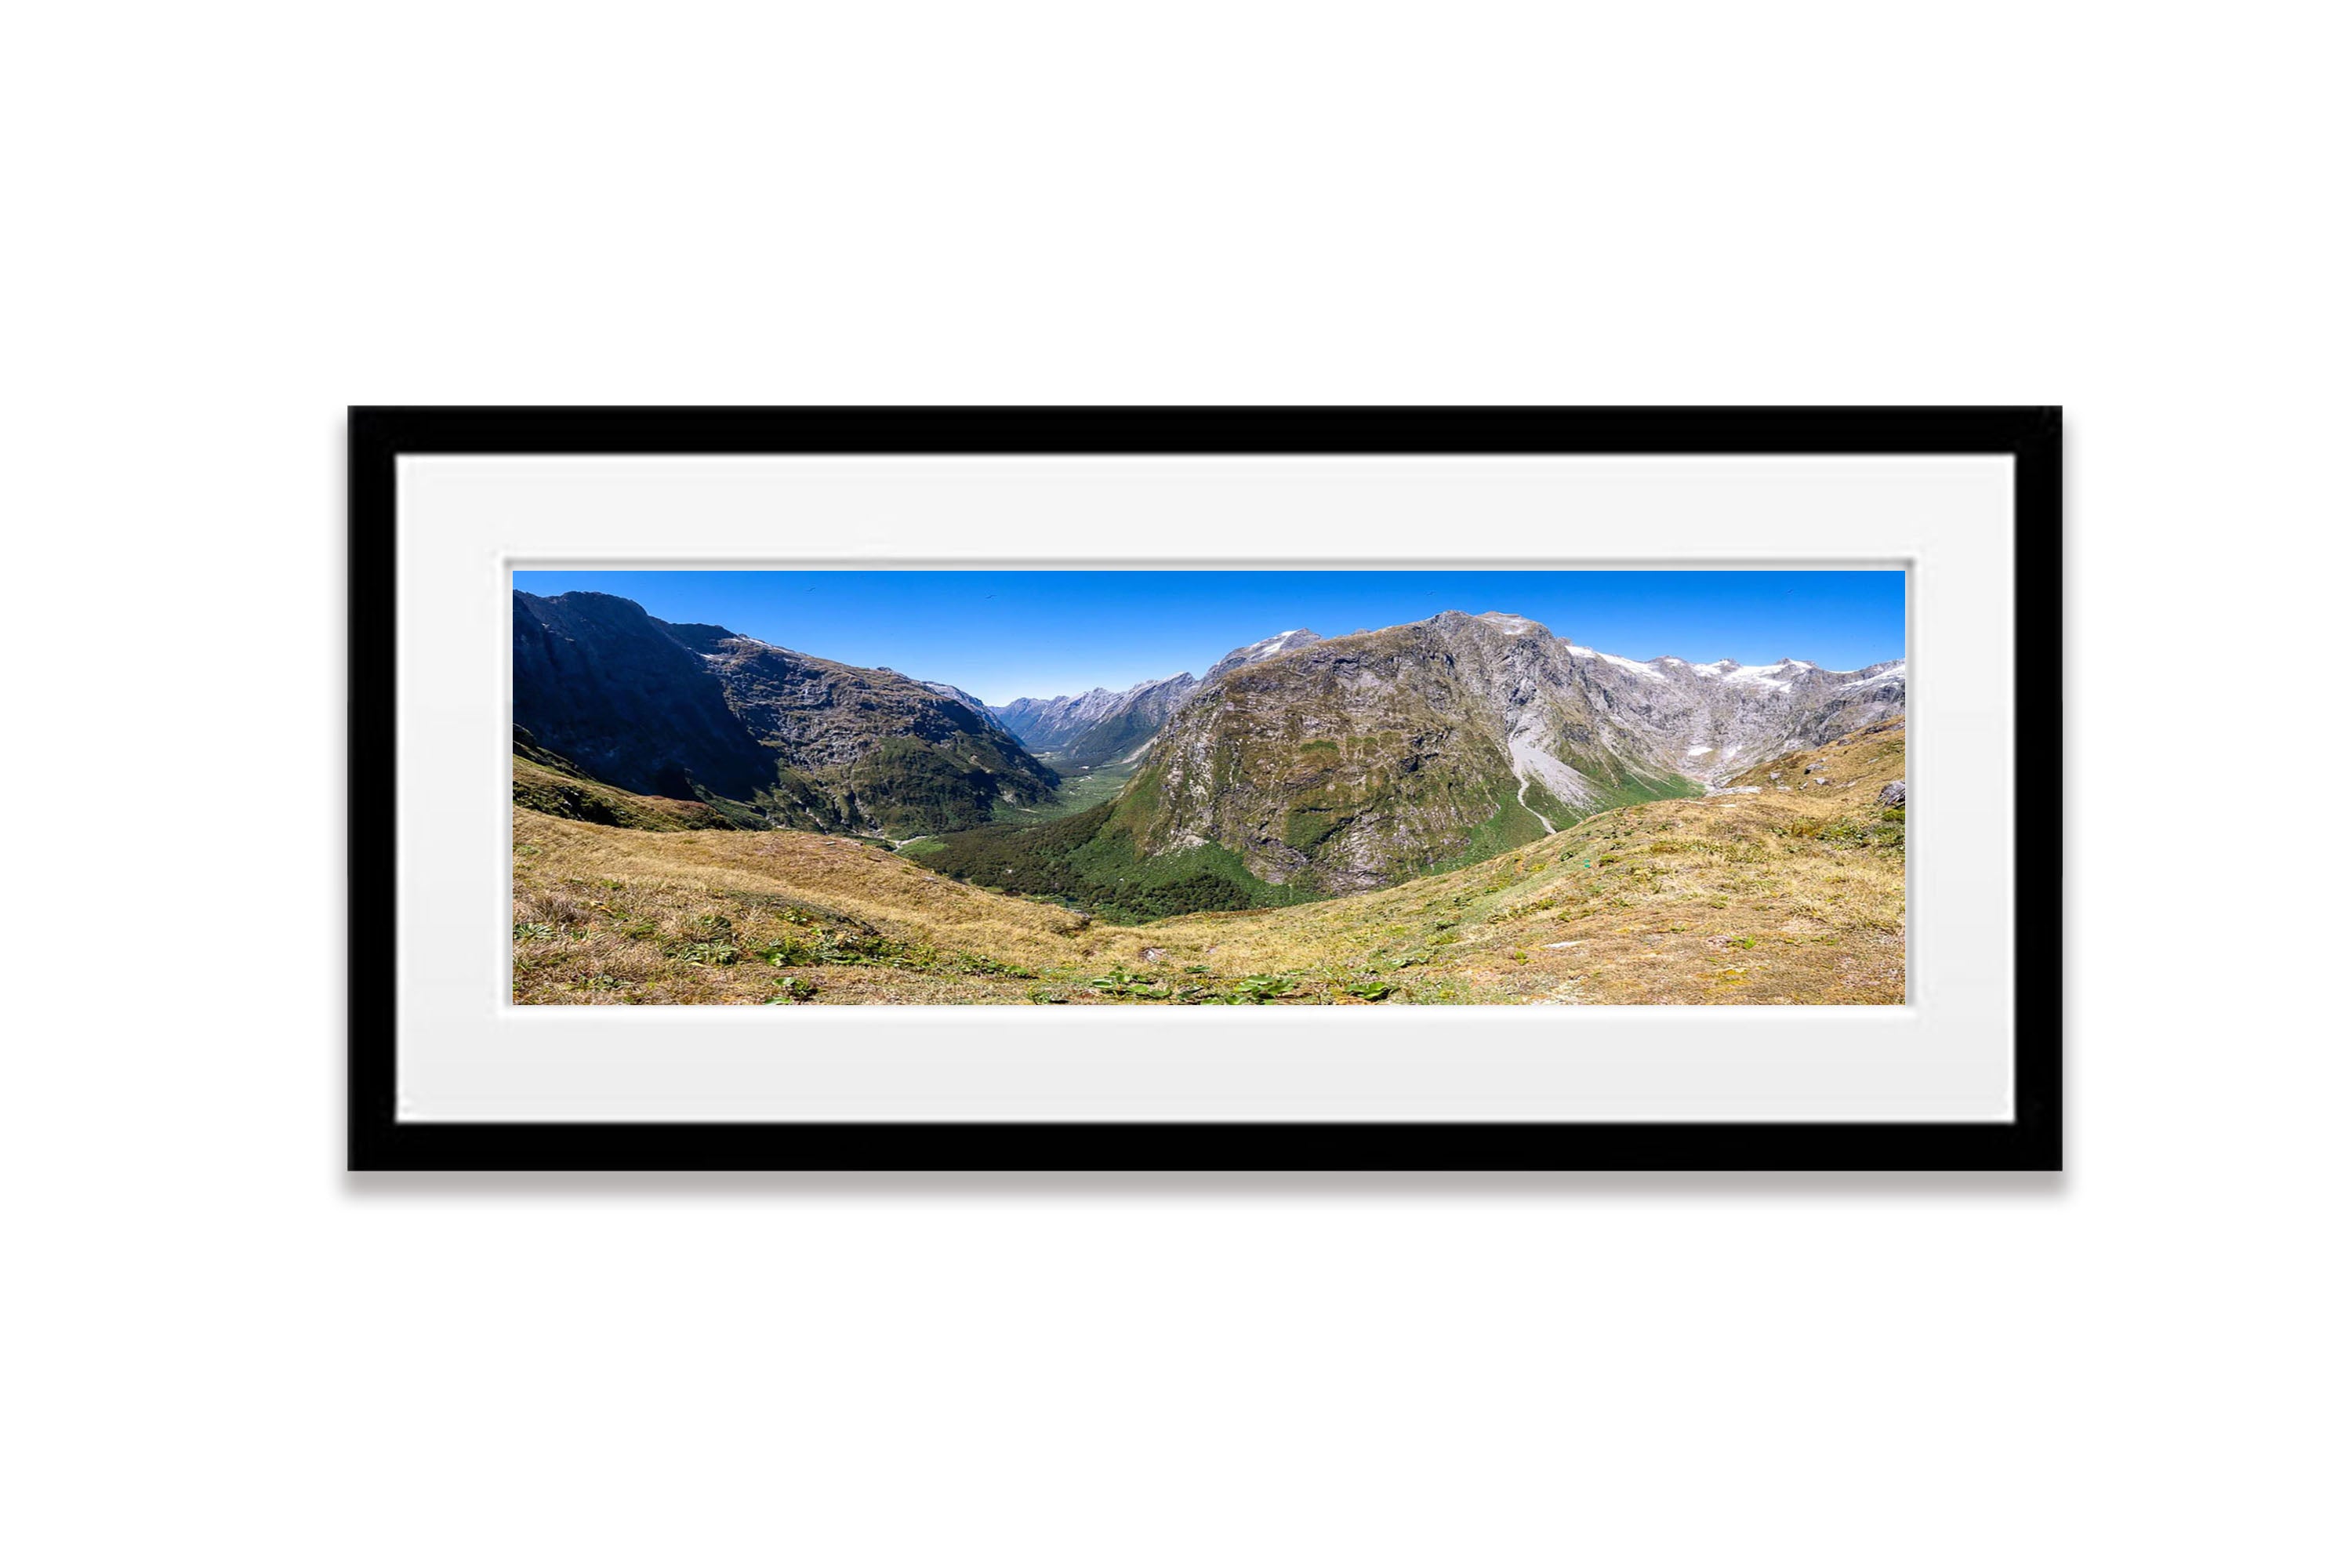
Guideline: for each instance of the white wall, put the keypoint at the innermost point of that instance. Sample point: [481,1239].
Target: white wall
[229,221]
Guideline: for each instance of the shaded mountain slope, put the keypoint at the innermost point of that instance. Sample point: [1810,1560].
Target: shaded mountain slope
[699,711]
[554,788]
[601,683]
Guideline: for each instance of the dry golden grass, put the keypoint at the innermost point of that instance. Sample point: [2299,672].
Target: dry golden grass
[1873,756]
[614,914]
[1792,895]
[1776,897]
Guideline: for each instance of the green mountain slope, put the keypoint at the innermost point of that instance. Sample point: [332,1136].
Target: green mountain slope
[1335,766]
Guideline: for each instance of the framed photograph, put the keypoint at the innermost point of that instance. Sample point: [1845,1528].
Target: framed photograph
[1205,789]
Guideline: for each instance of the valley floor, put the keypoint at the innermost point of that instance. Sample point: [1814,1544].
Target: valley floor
[1793,894]
[1080,788]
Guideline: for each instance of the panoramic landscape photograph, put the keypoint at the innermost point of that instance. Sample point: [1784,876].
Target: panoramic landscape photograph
[1215,788]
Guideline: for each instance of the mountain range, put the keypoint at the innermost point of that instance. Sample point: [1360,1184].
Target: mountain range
[1299,767]
[1098,726]
[1102,727]
[1358,760]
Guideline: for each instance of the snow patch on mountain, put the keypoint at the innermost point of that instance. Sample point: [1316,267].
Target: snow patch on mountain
[1631,667]
[1280,642]
[1258,653]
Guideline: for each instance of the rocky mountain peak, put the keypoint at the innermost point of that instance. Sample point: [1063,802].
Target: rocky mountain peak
[1512,626]
[1260,651]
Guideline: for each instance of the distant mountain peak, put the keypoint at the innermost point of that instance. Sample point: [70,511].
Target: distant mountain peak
[1103,726]
[1098,726]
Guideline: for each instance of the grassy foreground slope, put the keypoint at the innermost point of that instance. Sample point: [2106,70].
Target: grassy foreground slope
[1872,756]
[1793,894]
[613,914]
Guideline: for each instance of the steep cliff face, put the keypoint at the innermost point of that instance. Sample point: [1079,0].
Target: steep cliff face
[603,684]
[691,711]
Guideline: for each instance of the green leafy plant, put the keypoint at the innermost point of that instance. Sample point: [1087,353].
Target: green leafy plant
[1120,981]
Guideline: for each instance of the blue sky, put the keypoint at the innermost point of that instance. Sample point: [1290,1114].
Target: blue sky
[1002,635]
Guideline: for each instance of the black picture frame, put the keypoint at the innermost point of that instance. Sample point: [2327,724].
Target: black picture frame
[379,1140]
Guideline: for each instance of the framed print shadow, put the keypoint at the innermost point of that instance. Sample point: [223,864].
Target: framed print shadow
[1205,789]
